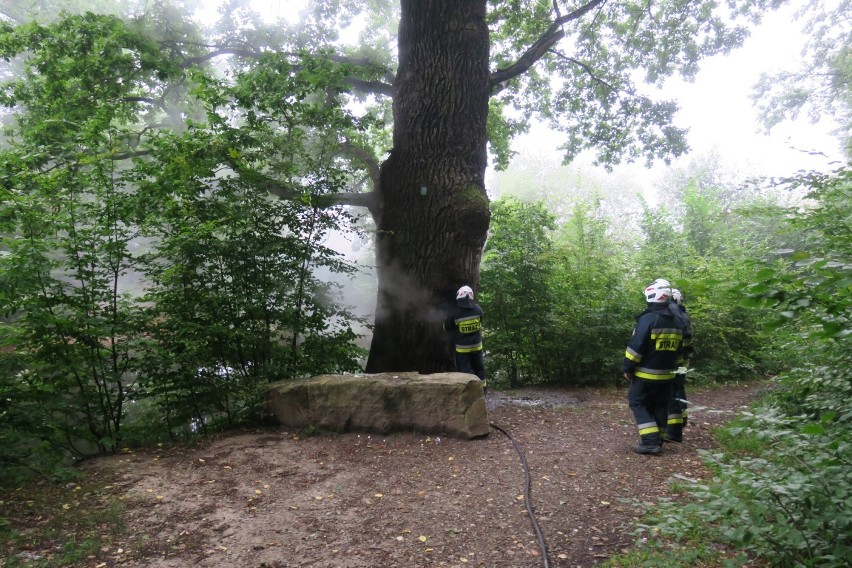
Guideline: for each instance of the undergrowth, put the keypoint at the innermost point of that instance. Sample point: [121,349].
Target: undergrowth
[51,525]
[779,496]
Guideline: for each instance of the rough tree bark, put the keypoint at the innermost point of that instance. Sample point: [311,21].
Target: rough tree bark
[434,215]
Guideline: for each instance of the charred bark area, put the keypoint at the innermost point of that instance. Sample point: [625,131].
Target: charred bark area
[435,215]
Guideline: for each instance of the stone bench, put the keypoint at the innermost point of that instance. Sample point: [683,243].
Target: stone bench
[451,404]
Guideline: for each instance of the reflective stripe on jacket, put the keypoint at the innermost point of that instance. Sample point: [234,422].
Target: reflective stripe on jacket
[464,321]
[656,345]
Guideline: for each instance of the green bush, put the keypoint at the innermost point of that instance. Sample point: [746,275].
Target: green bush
[555,304]
[97,194]
[790,502]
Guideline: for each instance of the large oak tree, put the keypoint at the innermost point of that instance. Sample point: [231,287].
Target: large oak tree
[571,63]
[462,77]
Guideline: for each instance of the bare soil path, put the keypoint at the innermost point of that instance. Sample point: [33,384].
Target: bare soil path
[281,498]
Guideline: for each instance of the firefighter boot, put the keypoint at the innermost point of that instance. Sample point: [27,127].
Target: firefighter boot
[673,435]
[650,444]
[648,449]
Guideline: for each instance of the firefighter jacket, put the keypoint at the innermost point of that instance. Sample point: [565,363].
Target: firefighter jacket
[656,345]
[464,321]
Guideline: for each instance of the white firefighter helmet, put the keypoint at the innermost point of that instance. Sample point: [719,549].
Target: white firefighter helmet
[677,296]
[464,292]
[659,292]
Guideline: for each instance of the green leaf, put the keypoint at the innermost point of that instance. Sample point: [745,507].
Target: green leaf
[765,274]
[813,429]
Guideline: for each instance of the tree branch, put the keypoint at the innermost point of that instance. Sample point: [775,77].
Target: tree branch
[154,102]
[128,155]
[241,52]
[364,86]
[139,100]
[367,200]
[370,162]
[548,39]
[370,87]
[586,68]
[284,191]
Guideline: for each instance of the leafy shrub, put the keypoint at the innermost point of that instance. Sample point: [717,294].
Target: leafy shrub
[555,304]
[789,503]
[97,191]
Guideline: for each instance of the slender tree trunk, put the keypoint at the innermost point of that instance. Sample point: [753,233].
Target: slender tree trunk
[435,215]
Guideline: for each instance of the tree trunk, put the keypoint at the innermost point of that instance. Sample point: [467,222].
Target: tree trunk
[434,219]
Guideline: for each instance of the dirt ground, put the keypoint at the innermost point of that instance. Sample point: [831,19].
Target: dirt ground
[282,498]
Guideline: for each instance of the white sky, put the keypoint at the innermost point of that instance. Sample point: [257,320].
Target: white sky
[718,110]
[719,113]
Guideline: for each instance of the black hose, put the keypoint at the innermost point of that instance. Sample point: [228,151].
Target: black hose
[528,483]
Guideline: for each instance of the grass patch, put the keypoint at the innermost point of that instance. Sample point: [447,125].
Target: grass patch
[734,439]
[672,536]
[661,555]
[658,554]
[45,524]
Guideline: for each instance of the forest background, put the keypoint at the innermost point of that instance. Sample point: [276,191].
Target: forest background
[149,295]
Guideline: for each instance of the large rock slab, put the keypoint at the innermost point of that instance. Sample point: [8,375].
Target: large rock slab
[451,404]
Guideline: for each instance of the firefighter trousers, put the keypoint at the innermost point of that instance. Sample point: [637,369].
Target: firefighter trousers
[649,401]
[471,362]
[677,409]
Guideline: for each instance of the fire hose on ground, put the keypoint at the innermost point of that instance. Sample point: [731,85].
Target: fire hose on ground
[527,501]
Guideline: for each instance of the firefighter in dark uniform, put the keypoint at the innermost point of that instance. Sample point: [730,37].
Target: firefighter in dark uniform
[677,406]
[650,364]
[464,321]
